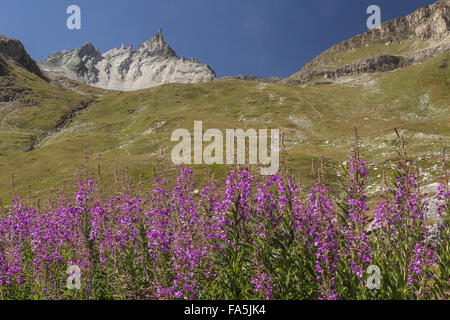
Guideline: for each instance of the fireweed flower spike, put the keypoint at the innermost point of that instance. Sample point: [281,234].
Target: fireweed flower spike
[354,232]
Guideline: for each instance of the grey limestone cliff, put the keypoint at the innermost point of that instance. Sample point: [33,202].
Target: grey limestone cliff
[152,64]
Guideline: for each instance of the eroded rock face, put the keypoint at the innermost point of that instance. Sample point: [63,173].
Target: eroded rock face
[246,77]
[430,22]
[14,50]
[80,61]
[427,29]
[382,63]
[152,64]
[3,68]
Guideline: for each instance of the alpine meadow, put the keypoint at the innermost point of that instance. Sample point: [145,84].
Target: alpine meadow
[336,186]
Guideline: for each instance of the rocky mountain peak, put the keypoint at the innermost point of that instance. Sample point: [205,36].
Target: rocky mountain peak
[159,36]
[152,64]
[88,49]
[156,46]
[13,49]
[83,53]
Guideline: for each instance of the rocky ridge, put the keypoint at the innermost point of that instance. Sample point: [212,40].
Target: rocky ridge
[428,26]
[14,50]
[153,63]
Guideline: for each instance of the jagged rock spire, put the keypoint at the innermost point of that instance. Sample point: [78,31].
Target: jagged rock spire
[153,63]
[156,46]
[159,35]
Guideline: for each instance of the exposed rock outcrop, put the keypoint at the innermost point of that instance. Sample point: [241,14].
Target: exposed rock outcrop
[245,77]
[152,64]
[14,50]
[381,63]
[80,61]
[427,31]
[3,68]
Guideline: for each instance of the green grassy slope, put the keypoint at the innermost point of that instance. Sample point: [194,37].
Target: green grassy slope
[132,128]
[34,107]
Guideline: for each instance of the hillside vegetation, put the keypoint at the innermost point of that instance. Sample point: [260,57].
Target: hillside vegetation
[44,130]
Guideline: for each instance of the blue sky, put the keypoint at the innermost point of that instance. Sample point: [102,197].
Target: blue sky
[258,37]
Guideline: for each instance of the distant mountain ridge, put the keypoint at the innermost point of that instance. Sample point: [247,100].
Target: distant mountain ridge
[153,63]
[400,42]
